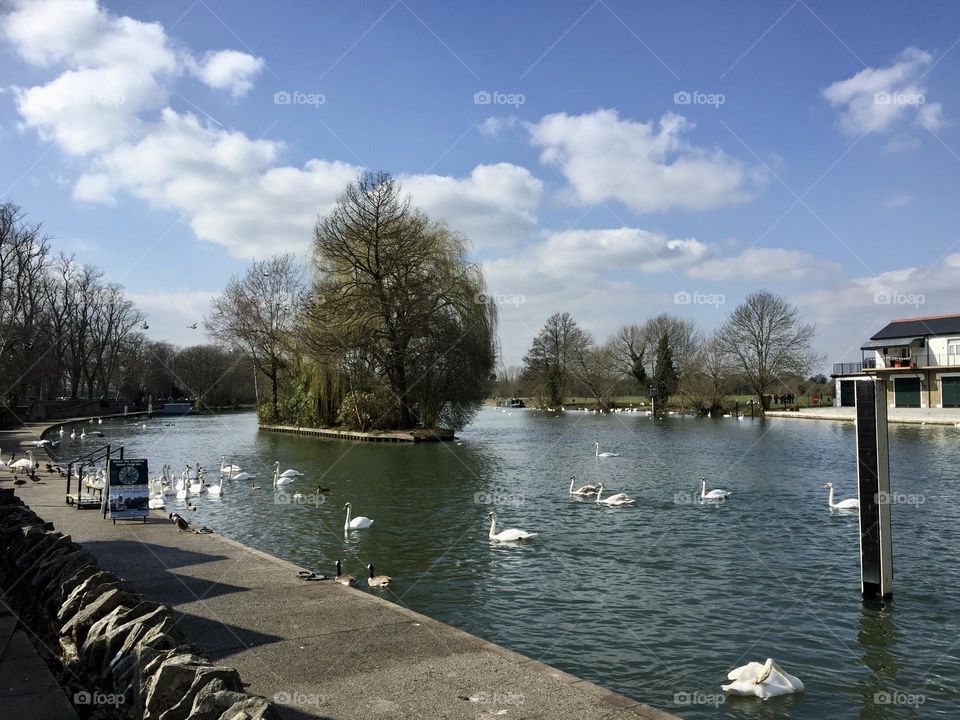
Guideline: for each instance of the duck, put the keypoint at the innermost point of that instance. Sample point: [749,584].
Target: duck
[508,535]
[764,681]
[344,579]
[717,495]
[584,491]
[615,500]
[357,523]
[604,454]
[848,504]
[377,581]
[254,486]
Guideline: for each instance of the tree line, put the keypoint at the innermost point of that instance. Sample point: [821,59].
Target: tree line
[761,346]
[66,334]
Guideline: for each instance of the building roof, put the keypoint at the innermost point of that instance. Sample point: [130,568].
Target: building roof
[892,342]
[920,327]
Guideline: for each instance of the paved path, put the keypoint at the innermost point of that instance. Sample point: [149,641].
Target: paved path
[913,416]
[321,649]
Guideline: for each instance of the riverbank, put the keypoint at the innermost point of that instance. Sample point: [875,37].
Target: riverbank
[411,436]
[908,416]
[319,649]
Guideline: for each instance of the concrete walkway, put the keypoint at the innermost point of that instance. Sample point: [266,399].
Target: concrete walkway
[319,649]
[913,416]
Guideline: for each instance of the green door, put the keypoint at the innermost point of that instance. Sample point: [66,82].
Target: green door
[906,392]
[950,387]
[848,393]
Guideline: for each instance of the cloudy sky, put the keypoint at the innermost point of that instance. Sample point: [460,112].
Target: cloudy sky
[613,159]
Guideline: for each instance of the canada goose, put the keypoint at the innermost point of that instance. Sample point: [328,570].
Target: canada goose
[344,579]
[377,581]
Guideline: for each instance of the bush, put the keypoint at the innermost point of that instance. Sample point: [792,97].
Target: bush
[362,410]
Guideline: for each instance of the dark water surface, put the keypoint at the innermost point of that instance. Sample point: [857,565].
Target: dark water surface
[658,600]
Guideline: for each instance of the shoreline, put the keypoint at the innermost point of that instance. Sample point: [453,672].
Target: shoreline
[414,665]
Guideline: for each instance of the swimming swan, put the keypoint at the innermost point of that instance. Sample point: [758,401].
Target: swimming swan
[713,494]
[764,681]
[357,523]
[509,535]
[614,500]
[848,504]
[606,454]
[584,491]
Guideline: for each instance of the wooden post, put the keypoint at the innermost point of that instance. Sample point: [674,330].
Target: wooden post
[873,481]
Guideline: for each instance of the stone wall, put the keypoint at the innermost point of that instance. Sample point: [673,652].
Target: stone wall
[113,643]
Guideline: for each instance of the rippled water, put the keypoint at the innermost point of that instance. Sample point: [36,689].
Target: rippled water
[657,601]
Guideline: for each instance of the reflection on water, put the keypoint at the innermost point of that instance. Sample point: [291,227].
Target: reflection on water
[658,600]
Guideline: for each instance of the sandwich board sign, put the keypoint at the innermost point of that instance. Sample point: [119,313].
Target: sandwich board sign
[129,490]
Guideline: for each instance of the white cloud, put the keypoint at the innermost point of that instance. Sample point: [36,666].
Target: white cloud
[496,206]
[764,264]
[493,126]
[228,70]
[648,167]
[897,200]
[882,100]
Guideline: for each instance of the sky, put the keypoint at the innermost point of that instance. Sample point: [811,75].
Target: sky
[611,159]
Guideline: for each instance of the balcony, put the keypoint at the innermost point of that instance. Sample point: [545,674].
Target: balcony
[890,362]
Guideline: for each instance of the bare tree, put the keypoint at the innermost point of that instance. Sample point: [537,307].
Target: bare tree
[630,349]
[547,362]
[596,367]
[765,340]
[709,376]
[257,313]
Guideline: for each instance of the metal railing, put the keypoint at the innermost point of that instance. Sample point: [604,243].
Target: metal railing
[925,360]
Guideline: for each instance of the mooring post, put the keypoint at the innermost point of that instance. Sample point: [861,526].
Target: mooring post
[873,482]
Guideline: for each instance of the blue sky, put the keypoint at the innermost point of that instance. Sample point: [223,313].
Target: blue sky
[633,158]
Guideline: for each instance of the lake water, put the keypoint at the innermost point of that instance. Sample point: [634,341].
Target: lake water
[658,600]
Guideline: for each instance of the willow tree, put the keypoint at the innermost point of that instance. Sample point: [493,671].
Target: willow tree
[397,304]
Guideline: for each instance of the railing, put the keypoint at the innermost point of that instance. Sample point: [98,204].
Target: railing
[892,362]
[847,368]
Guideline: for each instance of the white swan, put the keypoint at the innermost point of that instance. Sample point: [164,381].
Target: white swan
[713,494]
[182,490]
[356,523]
[217,488]
[614,500]
[582,491]
[73,434]
[83,433]
[196,481]
[279,479]
[509,535]
[60,431]
[764,681]
[228,468]
[291,473]
[606,454]
[239,476]
[24,463]
[848,504]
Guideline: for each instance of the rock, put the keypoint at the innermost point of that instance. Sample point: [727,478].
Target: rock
[225,676]
[169,683]
[102,606]
[214,699]
[253,708]
[87,591]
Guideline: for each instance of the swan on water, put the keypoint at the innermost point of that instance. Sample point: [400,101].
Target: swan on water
[217,488]
[83,433]
[716,494]
[228,468]
[604,454]
[344,579]
[291,473]
[73,434]
[60,431]
[240,476]
[357,523]
[279,479]
[764,681]
[508,535]
[196,481]
[583,491]
[848,504]
[377,581]
[614,500]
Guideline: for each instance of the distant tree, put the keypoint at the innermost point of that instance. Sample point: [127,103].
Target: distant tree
[596,369]
[708,381]
[257,313]
[547,362]
[629,349]
[765,341]
[664,372]
[818,379]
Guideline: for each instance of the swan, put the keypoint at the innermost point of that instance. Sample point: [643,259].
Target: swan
[290,473]
[24,463]
[240,476]
[377,581]
[83,433]
[713,494]
[100,421]
[60,431]
[356,523]
[182,491]
[848,504]
[217,488]
[344,579]
[73,434]
[764,681]
[614,500]
[196,482]
[509,535]
[279,479]
[582,491]
[228,469]
[606,454]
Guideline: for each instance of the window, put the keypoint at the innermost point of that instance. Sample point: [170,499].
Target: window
[953,351]
[905,353]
